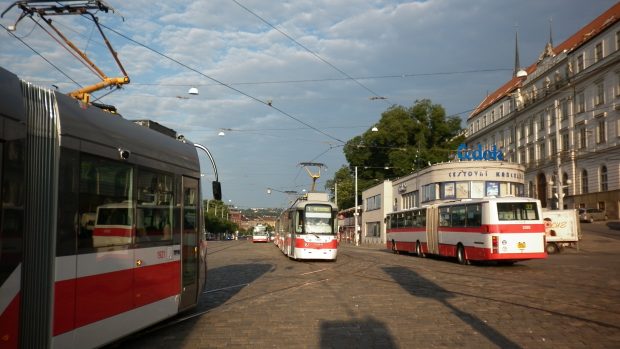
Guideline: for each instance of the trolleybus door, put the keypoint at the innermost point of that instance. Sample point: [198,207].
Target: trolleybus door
[432,241]
[189,243]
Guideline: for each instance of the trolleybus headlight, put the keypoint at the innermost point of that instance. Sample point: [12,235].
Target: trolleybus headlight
[124,154]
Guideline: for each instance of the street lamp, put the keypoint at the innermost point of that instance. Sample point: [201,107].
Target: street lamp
[356,214]
[559,194]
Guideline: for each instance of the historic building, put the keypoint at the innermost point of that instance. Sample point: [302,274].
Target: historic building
[559,118]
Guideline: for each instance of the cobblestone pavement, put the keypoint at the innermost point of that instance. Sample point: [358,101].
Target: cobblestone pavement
[371,298]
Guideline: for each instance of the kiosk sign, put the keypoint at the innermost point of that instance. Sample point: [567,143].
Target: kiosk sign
[478,154]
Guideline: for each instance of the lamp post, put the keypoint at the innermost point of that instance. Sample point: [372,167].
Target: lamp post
[356,214]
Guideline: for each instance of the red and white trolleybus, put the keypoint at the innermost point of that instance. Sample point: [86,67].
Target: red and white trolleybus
[490,229]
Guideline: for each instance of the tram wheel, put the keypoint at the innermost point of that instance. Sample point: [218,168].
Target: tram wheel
[460,255]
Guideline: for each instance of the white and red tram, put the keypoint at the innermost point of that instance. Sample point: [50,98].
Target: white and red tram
[491,229]
[100,222]
[307,229]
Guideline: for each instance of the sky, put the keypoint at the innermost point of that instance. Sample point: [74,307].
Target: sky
[291,81]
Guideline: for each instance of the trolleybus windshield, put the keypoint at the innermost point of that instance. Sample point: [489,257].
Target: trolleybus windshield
[319,219]
[517,211]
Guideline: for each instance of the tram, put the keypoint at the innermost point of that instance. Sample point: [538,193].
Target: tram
[307,229]
[505,230]
[101,226]
[260,234]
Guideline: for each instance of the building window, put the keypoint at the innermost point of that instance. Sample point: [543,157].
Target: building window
[522,130]
[492,115]
[531,154]
[601,132]
[581,100]
[530,131]
[584,182]
[541,151]
[580,63]
[373,203]
[565,143]
[501,111]
[604,186]
[600,93]
[598,52]
[541,121]
[617,89]
[553,145]
[522,156]
[617,40]
[582,138]
[563,110]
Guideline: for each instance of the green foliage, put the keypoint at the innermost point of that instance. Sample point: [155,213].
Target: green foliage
[408,140]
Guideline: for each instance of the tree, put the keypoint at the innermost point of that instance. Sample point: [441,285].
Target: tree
[408,139]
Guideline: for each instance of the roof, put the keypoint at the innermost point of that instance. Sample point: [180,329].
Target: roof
[578,39]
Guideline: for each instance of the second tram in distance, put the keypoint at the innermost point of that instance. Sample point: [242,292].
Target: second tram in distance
[505,230]
[307,229]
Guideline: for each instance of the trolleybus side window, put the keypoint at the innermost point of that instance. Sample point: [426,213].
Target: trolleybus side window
[519,211]
[474,215]
[106,199]
[444,217]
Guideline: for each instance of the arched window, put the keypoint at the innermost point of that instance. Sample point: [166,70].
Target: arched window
[603,178]
[584,182]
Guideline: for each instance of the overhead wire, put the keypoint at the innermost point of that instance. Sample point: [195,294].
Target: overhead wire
[40,55]
[221,83]
[349,77]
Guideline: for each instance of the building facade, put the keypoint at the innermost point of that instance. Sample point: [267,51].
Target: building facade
[561,120]
[376,201]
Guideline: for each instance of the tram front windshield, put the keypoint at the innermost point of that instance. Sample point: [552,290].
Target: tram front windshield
[319,219]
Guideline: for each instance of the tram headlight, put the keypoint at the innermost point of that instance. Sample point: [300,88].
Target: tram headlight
[124,154]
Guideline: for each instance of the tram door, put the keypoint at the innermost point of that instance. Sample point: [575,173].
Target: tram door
[189,243]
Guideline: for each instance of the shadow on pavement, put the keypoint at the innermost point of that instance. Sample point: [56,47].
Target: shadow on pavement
[615,225]
[419,286]
[362,333]
[225,282]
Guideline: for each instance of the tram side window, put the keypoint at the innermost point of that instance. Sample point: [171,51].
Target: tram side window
[155,208]
[106,199]
[11,206]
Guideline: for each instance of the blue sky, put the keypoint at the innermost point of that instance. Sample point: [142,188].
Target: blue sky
[452,52]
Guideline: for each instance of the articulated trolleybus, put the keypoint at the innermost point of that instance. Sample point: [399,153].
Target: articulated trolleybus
[100,222]
[505,230]
[307,229]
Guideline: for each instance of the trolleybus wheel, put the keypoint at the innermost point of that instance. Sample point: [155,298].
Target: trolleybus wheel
[460,255]
[418,249]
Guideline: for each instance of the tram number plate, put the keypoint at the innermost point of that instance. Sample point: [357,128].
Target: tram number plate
[521,245]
